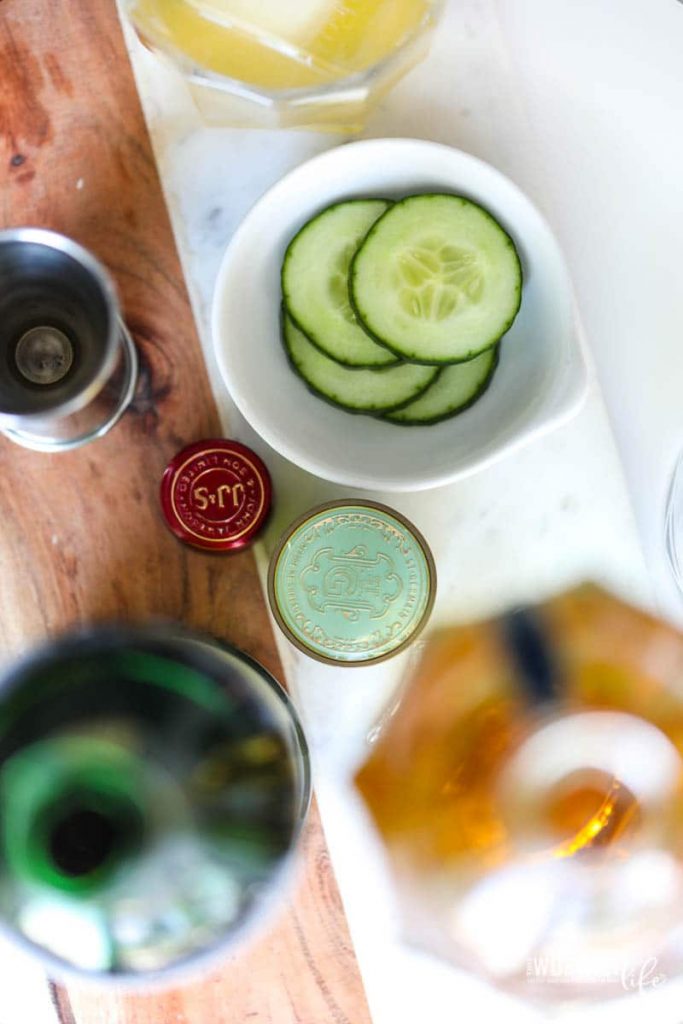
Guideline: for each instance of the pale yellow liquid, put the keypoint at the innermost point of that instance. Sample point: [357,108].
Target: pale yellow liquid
[281,44]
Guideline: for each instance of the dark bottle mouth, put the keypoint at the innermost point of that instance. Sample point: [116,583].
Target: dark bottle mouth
[74,811]
[85,838]
[82,841]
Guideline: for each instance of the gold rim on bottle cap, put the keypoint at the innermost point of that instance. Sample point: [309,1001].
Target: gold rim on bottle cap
[352,582]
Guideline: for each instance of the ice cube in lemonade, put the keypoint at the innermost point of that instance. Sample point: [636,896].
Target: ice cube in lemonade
[269,19]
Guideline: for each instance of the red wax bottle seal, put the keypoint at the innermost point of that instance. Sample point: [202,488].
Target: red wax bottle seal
[216,495]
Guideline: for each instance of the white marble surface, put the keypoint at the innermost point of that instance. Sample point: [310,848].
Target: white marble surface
[580,103]
[500,73]
[603,86]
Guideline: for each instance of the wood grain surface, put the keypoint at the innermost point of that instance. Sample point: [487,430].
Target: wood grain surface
[81,535]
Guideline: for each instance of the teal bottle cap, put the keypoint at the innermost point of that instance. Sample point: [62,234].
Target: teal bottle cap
[352,582]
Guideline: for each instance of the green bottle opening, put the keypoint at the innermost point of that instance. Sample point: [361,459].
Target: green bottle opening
[83,840]
[73,810]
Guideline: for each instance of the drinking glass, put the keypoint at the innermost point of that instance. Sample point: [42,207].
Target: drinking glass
[674,523]
[153,784]
[529,791]
[68,365]
[273,63]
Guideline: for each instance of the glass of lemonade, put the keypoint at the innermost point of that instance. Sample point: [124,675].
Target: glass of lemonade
[287,63]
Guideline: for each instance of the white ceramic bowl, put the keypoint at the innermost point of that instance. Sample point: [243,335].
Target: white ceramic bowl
[542,374]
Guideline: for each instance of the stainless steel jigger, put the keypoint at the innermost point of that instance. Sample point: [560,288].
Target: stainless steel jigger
[68,365]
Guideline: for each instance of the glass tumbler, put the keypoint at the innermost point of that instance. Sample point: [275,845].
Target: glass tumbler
[287,63]
[153,784]
[68,365]
[674,523]
[529,791]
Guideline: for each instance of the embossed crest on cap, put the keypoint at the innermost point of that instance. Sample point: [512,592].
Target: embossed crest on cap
[216,495]
[352,582]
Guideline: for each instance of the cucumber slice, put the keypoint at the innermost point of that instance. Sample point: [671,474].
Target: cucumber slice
[352,389]
[437,279]
[456,388]
[315,274]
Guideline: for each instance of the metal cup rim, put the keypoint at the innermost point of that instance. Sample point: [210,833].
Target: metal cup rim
[63,244]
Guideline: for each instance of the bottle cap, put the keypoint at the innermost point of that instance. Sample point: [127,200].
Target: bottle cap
[216,495]
[352,582]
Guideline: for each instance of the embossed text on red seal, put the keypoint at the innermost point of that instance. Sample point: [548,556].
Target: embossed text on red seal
[216,495]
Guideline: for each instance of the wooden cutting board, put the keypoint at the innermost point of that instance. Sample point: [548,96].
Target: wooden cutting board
[82,537]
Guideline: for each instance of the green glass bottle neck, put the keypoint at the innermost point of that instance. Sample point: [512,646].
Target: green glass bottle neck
[72,812]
